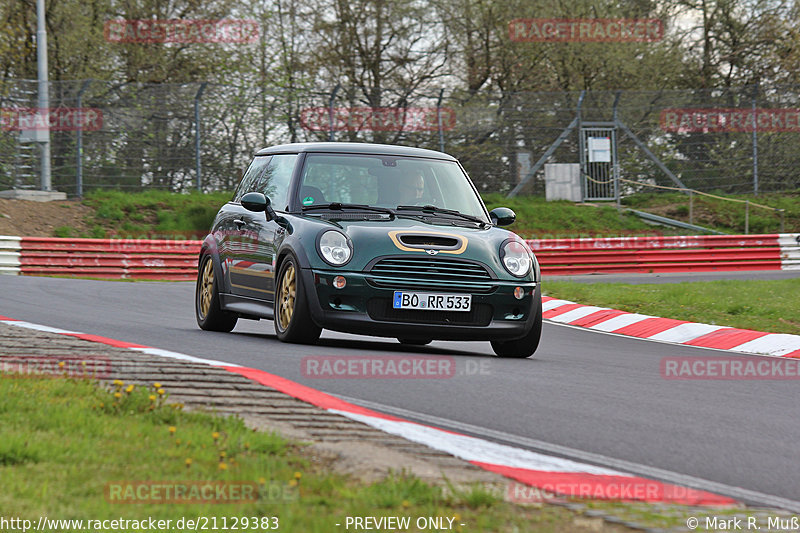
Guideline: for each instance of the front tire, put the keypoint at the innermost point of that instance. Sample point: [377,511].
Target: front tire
[293,321]
[527,345]
[207,310]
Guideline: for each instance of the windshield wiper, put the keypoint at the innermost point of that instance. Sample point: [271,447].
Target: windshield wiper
[432,209]
[338,206]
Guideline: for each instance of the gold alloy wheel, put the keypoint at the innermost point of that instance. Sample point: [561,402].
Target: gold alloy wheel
[206,288]
[286,295]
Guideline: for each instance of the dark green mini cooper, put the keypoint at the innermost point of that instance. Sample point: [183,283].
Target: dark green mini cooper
[369,239]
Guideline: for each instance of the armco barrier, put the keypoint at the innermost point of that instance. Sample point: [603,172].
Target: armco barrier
[9,254]
[177,260]
[109,258]
[790,251]
[667,254]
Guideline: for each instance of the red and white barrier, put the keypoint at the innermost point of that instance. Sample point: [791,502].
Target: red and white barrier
[790,250]
[9,254]
[667,254]
[177,260]
[109,258]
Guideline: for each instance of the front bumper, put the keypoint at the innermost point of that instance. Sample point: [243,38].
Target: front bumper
[365,309]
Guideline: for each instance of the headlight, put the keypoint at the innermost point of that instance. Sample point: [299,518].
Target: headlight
[334,248]
[516,258]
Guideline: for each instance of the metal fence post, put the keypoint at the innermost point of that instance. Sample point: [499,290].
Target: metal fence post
[755,143]
[331,135]
[439,118]
[197,97]
[615,170]
[79,147]
[44,94]
[747,217]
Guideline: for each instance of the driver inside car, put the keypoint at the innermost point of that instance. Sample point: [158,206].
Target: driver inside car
[411,189]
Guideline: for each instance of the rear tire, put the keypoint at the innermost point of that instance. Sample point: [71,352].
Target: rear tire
[293,321]
[208,312]
[527,345]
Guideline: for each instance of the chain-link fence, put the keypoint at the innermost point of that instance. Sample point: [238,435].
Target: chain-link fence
[135,136]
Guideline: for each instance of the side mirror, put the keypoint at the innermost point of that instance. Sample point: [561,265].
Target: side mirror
[255,201]
[258,203]
[502,216]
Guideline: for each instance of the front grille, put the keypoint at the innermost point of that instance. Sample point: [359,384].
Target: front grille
[438,272]
[381,309]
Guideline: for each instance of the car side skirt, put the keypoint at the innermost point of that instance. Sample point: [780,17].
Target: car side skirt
[250,308]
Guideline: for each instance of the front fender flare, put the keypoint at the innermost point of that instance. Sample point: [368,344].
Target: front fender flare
[209,247]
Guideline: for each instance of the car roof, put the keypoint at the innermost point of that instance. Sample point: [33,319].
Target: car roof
[354,148]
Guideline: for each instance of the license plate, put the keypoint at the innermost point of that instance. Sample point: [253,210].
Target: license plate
[431,302]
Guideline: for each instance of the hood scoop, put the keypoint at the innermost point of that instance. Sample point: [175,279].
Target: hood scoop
[428,241]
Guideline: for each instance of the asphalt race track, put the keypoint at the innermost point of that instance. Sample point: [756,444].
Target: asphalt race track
[589,392]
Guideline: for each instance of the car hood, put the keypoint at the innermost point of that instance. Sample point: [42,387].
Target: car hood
[414,237]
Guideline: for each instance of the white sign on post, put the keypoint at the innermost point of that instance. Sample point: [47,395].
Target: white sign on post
[34,128]
[599,149]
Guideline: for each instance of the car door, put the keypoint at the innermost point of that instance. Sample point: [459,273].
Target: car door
[252,266]
[229,226]
[228,233]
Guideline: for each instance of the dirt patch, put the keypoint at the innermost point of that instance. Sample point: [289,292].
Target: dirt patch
[40,219]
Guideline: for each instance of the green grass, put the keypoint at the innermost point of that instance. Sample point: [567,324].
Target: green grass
[64,232]
[538,218]
[724,215]
[154,213]
[762,305]
[162,213]
[64,440]
[157,213]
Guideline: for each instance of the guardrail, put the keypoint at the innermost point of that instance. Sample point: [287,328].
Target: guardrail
[104,258]
[177,260]
[9,254]
[668,254]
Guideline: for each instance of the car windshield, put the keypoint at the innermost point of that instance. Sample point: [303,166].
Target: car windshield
[387,181]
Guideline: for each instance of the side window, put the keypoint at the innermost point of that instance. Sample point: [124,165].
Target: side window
[254,171]
[274,181]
